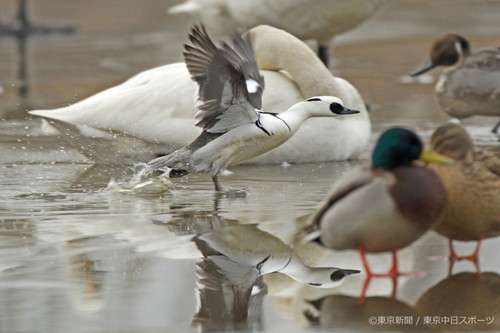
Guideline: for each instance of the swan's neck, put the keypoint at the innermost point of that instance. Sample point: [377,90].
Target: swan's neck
[297,59]
[277,50]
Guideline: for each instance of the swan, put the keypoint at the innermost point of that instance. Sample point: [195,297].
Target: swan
[153,112]
[320,20]
[235,128]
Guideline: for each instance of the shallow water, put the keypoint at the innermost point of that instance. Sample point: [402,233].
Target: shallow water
[79,255]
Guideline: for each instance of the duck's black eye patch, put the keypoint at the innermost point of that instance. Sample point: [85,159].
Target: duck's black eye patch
[315,99]
[336,108]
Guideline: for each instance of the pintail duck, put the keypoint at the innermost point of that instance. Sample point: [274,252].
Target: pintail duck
[320,20]
[234,127]
[153,112]
[472,211]
[471,86]
[384,207]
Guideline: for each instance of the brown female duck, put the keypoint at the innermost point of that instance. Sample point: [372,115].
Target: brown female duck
[472,212]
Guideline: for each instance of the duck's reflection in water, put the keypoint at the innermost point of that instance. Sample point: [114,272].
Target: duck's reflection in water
[463,302]
[230,275]
[86,278]
[229,294]
[376,313]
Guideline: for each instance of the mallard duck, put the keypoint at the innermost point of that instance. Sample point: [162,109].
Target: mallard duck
[235,128]
[472,211]
[470,86]
[153,112]
[383,207]
[320,20]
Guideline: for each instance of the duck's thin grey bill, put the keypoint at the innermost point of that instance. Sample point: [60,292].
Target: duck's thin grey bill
[348,111]
[425,68]
[342,273]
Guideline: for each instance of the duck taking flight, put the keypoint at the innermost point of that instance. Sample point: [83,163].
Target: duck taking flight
[235,128]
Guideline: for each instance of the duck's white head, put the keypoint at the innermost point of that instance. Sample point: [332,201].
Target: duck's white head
[319,106]
[325,106]
[323,277]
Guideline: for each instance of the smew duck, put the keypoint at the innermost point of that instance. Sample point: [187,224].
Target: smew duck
[153,112]
[234,127]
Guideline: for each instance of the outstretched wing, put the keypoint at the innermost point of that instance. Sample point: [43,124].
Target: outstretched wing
[230,85]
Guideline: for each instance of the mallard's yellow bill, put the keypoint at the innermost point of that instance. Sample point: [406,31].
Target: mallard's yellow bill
[431,156]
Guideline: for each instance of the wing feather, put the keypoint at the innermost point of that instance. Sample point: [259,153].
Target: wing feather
[223,75]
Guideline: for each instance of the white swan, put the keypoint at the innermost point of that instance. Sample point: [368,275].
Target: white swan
[320,20]
[235,128]
[153,112]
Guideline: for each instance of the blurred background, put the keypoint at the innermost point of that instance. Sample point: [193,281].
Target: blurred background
[77,256]
[116,39]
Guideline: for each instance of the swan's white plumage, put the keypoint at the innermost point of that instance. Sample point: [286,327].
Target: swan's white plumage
[319,19]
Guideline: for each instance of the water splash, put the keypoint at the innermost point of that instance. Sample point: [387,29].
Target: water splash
[138,183]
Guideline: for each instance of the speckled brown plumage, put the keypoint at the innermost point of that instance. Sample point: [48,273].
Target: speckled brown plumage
[473,184]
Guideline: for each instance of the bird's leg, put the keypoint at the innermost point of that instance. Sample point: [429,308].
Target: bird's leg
[474,257]
[364,260]
[369,275]
[218,187]
[323,54]
[227,192]
[394,272]
[495,128]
